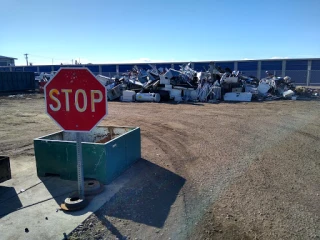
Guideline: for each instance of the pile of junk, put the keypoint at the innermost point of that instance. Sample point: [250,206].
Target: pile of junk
[212,85]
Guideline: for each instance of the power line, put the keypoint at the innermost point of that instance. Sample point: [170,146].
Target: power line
[40,56]
[59,59]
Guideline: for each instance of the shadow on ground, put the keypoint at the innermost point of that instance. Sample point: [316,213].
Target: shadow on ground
[58,188]
[147,198]
[9,201]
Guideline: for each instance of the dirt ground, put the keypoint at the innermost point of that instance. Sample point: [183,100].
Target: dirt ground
[209,171]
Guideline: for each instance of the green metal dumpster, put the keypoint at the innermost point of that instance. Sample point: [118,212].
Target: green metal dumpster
[107,152]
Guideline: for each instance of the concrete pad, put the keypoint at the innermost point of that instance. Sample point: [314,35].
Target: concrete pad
[40,199]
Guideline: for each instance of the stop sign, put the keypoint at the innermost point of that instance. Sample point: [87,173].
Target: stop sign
[75,99]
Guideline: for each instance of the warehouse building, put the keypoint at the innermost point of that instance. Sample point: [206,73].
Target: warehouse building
[6,61]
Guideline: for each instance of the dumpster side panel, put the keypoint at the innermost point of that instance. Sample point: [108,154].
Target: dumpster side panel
[5,170]
[54,157]
[122,153]
[116,158]
[94,161]
[103,162]
[133,146]
[16,81]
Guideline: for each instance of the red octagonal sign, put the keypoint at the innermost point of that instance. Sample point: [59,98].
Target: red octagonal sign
[75,99]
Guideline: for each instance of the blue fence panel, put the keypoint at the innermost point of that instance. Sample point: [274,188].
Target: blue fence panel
[125,67]
[177,65]
[315,65]
[163,65]
[17,69]
[277,73]
[298,76]
[143,66]
[158,65]
[30,69]
[201,67]
[315,78]
[73,66]
[46,69]
[93,68]
[247,66]
[297,65]
[4,69]
[250,73]
[108,68]
[224,65]
[56,67]
[271,65]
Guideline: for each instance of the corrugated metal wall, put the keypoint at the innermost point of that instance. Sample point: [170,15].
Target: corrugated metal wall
[297,69]
[108,68]
[315,73]
[30,69]
[46,69]
[93,68]
[5,69]
[17,81]
[274,67]
[225,65]
[201,66]
[177,65]
[249,68]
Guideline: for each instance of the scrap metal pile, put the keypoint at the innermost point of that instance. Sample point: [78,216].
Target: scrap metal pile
[213,85]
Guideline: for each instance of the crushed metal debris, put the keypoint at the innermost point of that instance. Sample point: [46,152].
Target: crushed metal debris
[212,85]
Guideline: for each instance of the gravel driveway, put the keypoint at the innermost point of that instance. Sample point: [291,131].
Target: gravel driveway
[209,171]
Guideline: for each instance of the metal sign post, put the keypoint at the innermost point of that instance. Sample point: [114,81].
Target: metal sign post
[77,102]
[80,167]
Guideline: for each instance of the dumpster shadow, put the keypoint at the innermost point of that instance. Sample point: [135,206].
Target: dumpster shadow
[9,201]
[146,198]
[58,188]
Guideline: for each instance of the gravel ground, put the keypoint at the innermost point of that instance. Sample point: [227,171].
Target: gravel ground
[209,171]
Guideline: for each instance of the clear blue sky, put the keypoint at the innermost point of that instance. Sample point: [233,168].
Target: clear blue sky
[101,31]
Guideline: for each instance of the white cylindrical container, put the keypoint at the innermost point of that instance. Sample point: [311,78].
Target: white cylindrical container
[263,88]
[157,97]
[148,97]
[217,92]
[288,94]
[178,98]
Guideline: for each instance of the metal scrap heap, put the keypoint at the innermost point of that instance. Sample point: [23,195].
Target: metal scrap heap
[212,85]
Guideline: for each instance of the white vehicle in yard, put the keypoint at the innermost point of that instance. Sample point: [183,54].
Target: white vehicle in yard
[44,76]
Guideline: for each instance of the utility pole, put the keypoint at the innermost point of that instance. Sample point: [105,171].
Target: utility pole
[26,58]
